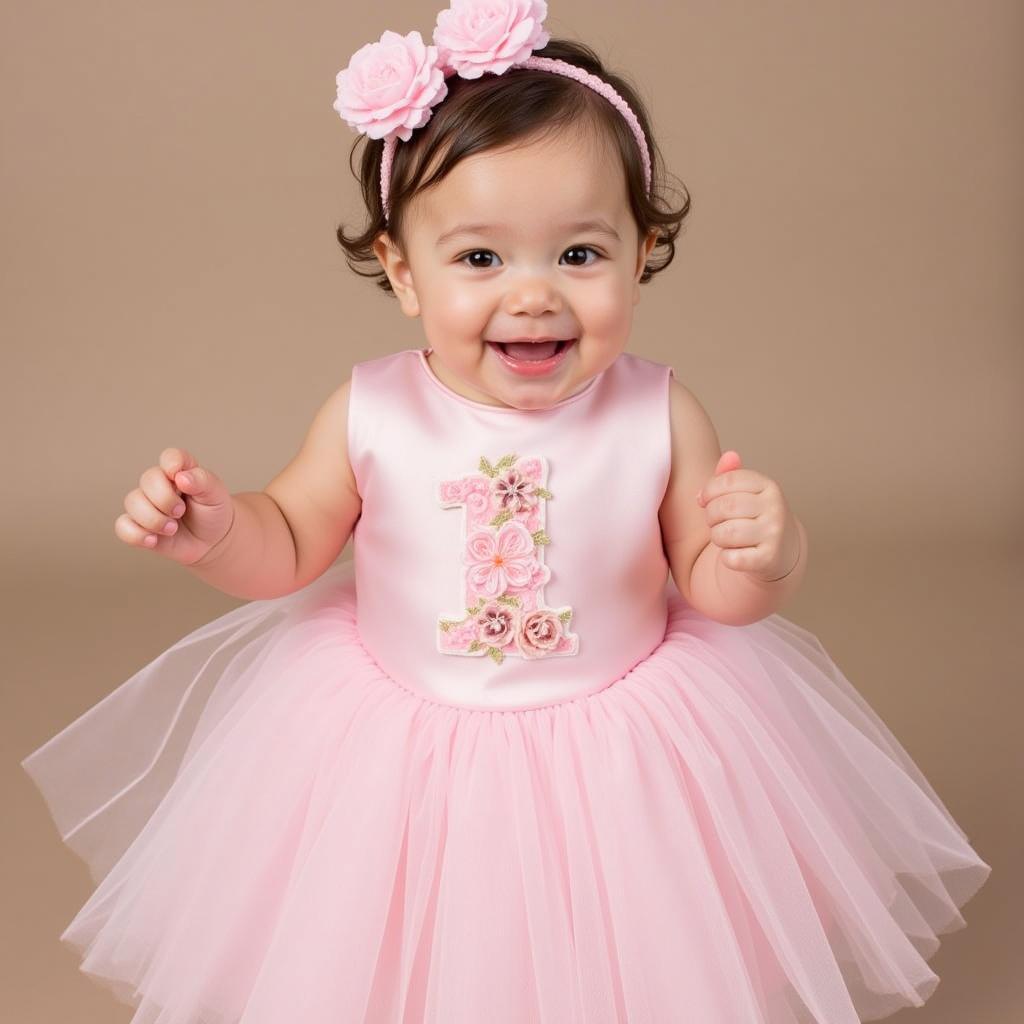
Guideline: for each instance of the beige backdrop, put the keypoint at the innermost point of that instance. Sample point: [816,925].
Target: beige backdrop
[846,301]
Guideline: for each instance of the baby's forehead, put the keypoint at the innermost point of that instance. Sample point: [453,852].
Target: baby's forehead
[555,183]
[583,156]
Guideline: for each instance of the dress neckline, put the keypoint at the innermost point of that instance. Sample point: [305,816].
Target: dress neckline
[421,354]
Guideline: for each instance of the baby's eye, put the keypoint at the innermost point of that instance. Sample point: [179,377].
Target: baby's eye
[585,248]
[487,252]
[478,252]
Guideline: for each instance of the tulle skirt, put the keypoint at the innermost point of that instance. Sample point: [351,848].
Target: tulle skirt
[279,831]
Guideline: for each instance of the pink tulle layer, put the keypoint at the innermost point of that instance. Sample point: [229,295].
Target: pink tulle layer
[281,832]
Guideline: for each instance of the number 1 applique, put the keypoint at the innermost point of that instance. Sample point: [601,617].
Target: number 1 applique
[503,568]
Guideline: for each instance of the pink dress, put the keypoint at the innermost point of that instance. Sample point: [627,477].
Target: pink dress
[518,779]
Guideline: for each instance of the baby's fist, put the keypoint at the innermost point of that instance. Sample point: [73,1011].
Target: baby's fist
[180,510]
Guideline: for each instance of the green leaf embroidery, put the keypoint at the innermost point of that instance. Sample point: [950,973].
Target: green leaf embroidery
[502,517]
[565,617]
[540,537]
[542,492]
[505,461]
[486,467]
[496,654]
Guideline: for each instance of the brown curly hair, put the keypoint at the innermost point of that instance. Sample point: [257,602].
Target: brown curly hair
[496,111]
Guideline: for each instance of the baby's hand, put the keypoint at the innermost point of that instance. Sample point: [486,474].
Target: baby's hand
[181,526]
[750,518]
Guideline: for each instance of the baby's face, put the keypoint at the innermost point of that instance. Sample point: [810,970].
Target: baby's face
[499,250]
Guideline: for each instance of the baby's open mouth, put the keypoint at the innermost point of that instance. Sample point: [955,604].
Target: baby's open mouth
[532,350]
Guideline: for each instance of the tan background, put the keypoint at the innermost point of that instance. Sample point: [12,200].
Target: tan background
[846,301]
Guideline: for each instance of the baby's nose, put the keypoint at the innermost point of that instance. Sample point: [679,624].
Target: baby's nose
[534,295]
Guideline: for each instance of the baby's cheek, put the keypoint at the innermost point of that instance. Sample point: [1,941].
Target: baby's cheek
[608,312]
[460,314]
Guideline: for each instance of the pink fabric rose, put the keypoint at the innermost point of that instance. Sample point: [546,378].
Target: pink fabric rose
[390,86]
[540,633]
[474,36]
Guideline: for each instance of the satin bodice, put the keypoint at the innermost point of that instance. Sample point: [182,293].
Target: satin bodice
[508,558]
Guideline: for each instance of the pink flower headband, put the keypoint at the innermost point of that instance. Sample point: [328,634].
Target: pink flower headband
[390,87]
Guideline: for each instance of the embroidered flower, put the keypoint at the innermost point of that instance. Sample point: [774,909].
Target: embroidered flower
[540,632]
[514,491]
[496,624]
[474,36]
[499,560]
[504,571]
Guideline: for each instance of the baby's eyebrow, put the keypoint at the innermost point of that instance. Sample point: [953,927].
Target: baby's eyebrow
[595,224]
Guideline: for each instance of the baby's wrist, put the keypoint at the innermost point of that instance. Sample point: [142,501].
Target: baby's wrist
[215,550]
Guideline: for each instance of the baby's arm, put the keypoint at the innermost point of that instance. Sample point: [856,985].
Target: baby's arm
[727,595]
[286,535]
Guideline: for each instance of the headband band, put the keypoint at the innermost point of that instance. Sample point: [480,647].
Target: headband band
[390,87]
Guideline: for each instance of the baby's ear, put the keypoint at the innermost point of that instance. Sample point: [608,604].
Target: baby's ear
[643,252]
[396,266]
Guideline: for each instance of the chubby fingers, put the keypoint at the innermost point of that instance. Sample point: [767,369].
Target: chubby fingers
[736,481]
[736,505]
[174,461]
[724,472]
[152,508]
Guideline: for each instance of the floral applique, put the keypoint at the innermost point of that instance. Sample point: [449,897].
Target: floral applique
[503,565]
